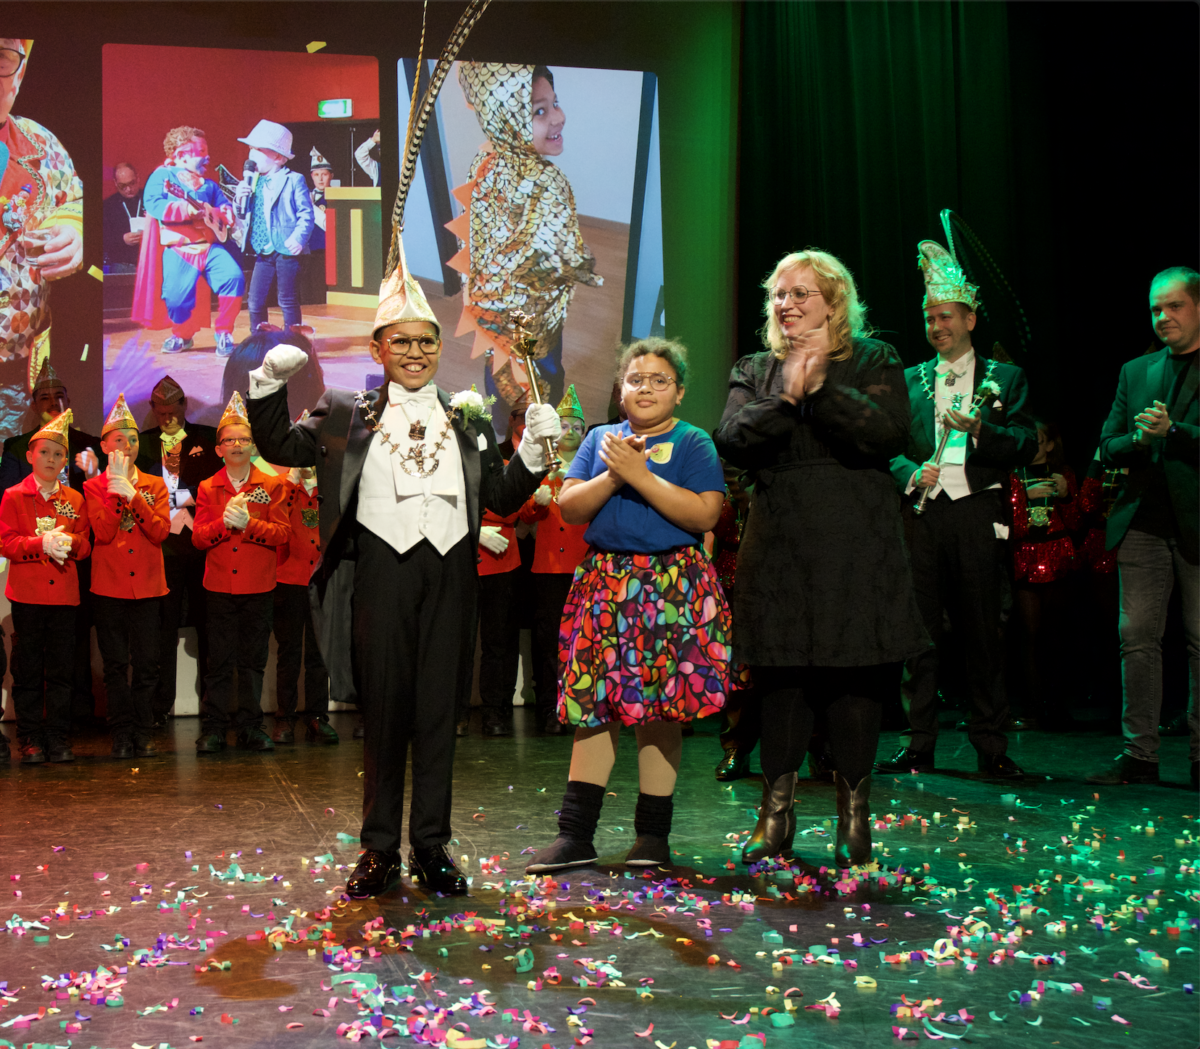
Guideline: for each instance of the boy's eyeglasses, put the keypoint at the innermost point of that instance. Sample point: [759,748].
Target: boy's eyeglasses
[238,442]
[400,344]
[656,380]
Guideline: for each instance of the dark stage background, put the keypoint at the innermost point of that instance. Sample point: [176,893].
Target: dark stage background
[1065,134]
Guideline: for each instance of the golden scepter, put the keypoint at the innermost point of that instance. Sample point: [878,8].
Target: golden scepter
[522,349]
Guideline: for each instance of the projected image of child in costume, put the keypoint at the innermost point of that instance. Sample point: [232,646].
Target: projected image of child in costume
[522,247]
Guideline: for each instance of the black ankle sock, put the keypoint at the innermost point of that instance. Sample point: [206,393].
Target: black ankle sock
[580,810]
[653,814]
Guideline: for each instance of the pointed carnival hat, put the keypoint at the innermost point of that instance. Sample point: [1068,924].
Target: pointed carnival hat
[401,299]
[235,413]
[318,161]
[166,391]
[120,418]
[944,277]
[55,430]
[569,407]
[47,378]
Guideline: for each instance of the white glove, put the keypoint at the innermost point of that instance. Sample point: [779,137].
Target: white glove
[236,513]
[491,540]
[283,362]
[56,545]
[541,420]
[543,495]
[121,486]
[88,463]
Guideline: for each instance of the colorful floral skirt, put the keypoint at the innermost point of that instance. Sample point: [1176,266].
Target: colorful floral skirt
[644,637]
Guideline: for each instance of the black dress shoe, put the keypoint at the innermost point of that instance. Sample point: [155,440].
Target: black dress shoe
[462,727]
[434,867]
[735,765]
[284,732]
[1125,769]
[210,743]
[497,727]
[60,750]
[1000,766]
[255,739]
[375,873]
[122,746]
[907,760]
[143,747]
[32,754]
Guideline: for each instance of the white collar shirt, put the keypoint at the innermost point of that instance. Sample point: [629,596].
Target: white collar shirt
[400,507]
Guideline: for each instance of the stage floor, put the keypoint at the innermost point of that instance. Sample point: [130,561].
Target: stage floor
[153,870]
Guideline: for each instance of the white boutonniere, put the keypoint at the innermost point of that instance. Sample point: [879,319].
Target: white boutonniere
[472,405]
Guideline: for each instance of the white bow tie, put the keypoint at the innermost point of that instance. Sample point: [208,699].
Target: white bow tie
[426,395]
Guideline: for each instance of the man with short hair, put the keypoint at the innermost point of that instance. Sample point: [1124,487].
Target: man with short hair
[1153,430]
[956,543]
[183,454]
[124,219]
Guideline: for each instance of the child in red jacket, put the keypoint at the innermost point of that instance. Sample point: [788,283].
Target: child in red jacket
[43,532]
[240,520]
[130,518]
[295,639]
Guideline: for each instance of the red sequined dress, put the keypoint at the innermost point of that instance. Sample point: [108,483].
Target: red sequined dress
[1042,549]
[1100,489]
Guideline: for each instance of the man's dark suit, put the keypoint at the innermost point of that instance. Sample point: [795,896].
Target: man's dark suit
[957,560]
[184,564]
[1142,382]
[412,614]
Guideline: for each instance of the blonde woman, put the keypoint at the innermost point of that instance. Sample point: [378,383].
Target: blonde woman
[824,610]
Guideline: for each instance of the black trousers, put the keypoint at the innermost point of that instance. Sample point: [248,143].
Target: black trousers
[958,571]
[239,635]
[127,633]
[296,643]
[499,641]
[184,605]
[849,701]
[414,638]
[550,591]
[43,636]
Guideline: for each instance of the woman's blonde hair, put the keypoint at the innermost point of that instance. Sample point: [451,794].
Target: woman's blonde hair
[836,283]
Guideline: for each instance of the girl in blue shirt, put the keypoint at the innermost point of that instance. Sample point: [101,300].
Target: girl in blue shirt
[644,634]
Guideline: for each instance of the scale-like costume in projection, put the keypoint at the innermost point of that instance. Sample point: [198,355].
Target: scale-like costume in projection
[38,189]
[521,245]
[178,249]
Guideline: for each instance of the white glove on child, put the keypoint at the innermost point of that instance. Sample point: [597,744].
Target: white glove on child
[279,365]
[492,541]
[541,420]
[56,545]
[543,495]
[236,514]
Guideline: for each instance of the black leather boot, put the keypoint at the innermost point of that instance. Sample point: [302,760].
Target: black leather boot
[854,822]
[776,827]
[734,765]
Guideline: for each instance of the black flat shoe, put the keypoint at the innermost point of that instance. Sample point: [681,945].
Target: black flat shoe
[434,867]
[649,850]
[561,854]
[375,873]
[255,739]
[907,760]
[497,728]
[60,750]
[735,765]
[143,747]
[210,743]
[1000,767]
[122,747]
[32,754]
[1125,770]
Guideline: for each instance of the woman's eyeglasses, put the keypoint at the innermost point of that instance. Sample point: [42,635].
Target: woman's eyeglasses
[656,380]
[798,294]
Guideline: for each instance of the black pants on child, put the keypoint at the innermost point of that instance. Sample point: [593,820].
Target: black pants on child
[499,642]
[42,669]
[296,643]
[127,633]
[239,637]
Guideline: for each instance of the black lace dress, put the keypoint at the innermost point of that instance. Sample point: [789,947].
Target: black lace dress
[823,573]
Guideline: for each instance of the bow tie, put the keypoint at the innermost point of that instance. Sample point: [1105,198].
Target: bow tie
[426,395]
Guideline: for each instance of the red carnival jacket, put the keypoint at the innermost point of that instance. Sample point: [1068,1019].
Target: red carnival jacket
[241,561]
[34,577]
[298,557]
[127,559]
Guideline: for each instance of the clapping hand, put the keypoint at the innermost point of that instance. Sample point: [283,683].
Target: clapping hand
[1153,422]
[806,365]
[56,544]
[624,457]
[237,514]
[119,482]
[1046,487]
[88,463]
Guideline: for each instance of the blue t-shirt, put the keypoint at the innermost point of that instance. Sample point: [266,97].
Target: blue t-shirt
[684,455]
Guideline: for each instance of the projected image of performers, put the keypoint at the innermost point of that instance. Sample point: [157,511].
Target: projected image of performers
[541,194]
[242,180]
[41,236]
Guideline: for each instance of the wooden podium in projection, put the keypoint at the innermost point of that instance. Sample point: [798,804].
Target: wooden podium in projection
[353,246]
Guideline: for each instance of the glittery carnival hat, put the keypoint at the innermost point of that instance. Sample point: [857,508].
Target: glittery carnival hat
[944,277]
[47,378]
[166,391]
[318,161]
[55,430]
[569,407]
[235,413]
[401,300]
[120,418]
